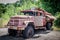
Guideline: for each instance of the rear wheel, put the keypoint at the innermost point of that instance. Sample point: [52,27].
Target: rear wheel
[49,26]
[28,32]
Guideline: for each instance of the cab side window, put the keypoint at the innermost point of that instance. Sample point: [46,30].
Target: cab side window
[41,14]
[36,13]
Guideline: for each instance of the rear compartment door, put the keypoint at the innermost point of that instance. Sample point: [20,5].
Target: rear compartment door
[40,20]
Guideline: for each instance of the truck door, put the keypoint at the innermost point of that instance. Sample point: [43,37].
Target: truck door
[39,18]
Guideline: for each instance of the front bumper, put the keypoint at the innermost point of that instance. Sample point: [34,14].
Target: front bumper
[16,27]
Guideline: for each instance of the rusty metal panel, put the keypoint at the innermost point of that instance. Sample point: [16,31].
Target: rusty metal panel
[38,21]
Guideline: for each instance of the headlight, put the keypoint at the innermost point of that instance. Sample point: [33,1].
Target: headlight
[23,23]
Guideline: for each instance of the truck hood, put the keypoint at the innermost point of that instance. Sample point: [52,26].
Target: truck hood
[19,20]
[22,16]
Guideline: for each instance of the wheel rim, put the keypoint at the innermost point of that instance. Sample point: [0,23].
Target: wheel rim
[30,33]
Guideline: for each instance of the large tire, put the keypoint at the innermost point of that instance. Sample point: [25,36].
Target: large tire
[28,32]
[49,26]
[11,32]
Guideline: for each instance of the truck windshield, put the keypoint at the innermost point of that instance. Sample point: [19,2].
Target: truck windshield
[28,13]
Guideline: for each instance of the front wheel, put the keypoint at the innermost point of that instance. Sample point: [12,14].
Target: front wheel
[11,32]
[28,32]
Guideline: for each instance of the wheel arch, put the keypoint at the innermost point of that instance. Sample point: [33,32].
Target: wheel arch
[31,24]
[50,22]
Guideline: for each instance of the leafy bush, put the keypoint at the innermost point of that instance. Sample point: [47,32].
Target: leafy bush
[57,21]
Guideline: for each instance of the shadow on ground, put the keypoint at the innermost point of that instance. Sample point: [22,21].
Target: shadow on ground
[40,31]
[6,37]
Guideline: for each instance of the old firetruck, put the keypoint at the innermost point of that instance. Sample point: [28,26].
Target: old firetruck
[31,20]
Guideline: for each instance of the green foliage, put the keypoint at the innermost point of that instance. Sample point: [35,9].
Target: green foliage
[57,22]
[9,12]
[2,9]
[51,6]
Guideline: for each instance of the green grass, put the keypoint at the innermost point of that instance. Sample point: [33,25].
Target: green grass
[56,28]
[3,23]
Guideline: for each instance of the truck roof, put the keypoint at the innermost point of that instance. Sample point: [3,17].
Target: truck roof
[33,10]
[37,10]
[29,11]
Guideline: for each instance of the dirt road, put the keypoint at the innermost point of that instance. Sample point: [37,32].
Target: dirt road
[39,35]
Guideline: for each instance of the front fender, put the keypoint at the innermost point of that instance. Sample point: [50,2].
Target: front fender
[27,22]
